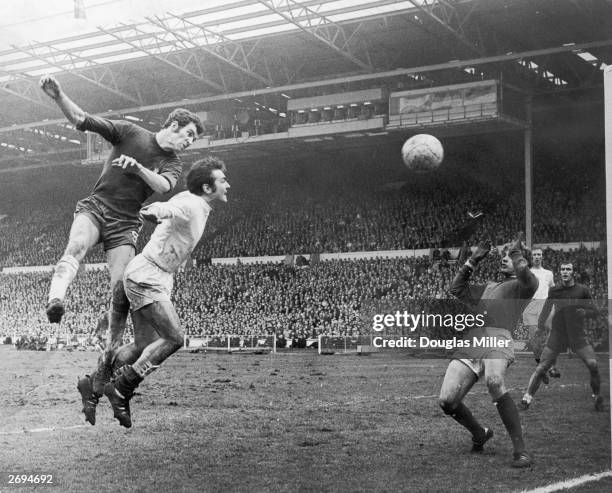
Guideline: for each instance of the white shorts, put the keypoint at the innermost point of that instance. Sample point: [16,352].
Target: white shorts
[532,312]
[474,358]
[146,283]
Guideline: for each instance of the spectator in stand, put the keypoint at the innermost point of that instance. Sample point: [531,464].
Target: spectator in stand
[310,213]
[268,297]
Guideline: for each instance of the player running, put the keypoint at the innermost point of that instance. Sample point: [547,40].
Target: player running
[148,280]
[502,304]
[573,303]
[531,314]
[140,163]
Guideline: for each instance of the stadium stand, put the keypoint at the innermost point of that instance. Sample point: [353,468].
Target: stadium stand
[349,204]
[326,298]
[353,204]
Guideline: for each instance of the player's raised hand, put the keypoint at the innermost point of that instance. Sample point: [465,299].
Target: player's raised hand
[127,163]
[50,86]
[518,247]
[518,243]
[482,250]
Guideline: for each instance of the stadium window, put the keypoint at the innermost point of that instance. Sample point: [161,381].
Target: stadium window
[314,116]
[354,111]
[339,113]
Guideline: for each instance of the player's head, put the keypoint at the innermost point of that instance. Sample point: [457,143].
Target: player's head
[182,129]
[183,118]
[507,266]
[567,271]
[207,178]
[536,257]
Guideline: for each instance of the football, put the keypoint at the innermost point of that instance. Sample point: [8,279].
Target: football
[422,152]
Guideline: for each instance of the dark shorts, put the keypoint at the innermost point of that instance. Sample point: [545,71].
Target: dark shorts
[114,230]
[560,339]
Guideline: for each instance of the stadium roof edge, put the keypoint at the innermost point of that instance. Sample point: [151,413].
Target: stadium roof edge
[345,79]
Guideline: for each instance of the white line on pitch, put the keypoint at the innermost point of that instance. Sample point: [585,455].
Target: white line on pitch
[566,385]
[41,430]
[570,483]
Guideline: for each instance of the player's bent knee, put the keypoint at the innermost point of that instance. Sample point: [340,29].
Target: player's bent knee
[448,406]
[121,304]
[126,356]
[540,369]
[177,342]
[495,384]
[141,344]
[76,248]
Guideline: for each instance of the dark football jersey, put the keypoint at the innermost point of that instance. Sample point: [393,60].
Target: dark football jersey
[124,192]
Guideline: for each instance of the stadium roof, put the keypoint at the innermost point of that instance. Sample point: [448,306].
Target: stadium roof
[265,52]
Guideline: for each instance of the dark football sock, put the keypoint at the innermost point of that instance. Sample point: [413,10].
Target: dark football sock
[510,417]
[464,417]
[103,374]
[127,381]
[595,380]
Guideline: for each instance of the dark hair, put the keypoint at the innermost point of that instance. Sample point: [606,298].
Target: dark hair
[184,117]
[201,174]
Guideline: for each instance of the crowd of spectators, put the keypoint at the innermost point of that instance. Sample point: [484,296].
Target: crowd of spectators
[335,298]
[326,205]
[23,300]
[333,204]
[36,207]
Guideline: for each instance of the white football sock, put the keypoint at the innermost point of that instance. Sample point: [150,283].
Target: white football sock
[65,270]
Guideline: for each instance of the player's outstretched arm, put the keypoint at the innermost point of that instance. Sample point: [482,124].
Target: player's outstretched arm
[150,213]
[460,287]
[154,213]
[157,211]
[52,88]
[529,282]
[157,182]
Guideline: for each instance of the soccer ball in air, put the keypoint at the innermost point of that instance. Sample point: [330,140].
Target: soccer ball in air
[422,153]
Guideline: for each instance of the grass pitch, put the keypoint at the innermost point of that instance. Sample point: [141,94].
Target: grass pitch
[290,422]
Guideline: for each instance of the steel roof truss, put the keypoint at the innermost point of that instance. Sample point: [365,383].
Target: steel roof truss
[318,26]
[26,89]
[447,16]
[178,58]
[85,68]
[237,54]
